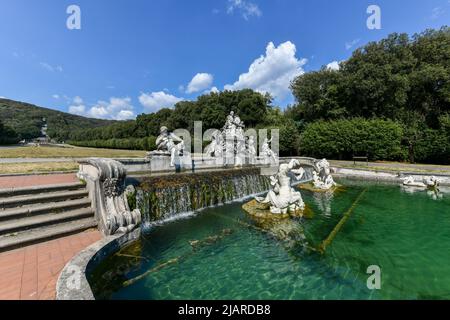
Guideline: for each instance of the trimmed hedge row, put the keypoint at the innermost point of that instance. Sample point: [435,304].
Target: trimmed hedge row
[147,143]
[375,138]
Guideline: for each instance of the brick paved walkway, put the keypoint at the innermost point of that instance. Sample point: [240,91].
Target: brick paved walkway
[33,180]
[31,273]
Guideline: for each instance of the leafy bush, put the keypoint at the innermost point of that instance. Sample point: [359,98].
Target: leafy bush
[342,139]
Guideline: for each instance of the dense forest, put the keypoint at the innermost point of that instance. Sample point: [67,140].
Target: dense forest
[390,101]
[7,135]
[24,121]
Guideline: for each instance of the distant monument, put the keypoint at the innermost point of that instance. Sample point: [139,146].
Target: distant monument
[230,146]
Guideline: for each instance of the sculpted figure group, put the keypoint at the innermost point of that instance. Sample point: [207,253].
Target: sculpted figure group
[230,145]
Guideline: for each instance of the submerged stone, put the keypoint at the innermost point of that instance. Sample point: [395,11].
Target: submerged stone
[310,187]
[262,211]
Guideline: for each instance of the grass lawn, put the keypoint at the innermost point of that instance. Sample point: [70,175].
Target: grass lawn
[12,168]
[68,152]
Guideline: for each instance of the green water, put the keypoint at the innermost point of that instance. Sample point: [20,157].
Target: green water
[406,234]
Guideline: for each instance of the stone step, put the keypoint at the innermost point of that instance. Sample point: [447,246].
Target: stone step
[22,200]
[41,209]
[34,222]
[12,192]
[42,234]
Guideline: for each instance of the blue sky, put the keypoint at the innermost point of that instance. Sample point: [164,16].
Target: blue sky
[133,57]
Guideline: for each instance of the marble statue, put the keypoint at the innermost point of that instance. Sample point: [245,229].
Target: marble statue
[215,148]
[230,127]
[322,178]
[251,150]
[230,143]
[240,153]
[166,142]
[410,182]
[427,182]
[282,197]
[431,182]
[268,156]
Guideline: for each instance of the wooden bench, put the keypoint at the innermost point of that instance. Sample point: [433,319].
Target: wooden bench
[360,158]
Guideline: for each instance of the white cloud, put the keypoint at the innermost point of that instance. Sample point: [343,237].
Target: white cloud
[125,115]
[246,8]
[334,65]
[50,68]
[114,109]
[78,110]
[351,44]
[199,82]
[212,90]
[158,100]
[55,96]
[77,100]
[273,72]
[437,12]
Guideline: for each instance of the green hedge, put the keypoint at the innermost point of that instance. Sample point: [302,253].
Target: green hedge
[342,139]
[147,143]
[433,147]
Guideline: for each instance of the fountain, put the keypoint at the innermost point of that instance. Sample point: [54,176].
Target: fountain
[231,146]
[167,197]
[282,201]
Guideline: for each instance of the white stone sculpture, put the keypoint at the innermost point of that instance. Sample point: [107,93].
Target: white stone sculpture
[268,156]
[229,145]
[322,178]
[431,182]
[251,150]
[410,182]
[240,153]
[105,180]
[282,197]
[427,182]
[214,146]
[166,143]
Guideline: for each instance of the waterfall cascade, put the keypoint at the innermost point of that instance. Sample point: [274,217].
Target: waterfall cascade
[164,197]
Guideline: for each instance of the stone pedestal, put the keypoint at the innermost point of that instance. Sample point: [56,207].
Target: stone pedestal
[160,161]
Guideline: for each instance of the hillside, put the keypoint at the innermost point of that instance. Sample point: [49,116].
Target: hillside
[26,120]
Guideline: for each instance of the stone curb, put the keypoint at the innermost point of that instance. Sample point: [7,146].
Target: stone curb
[72,282]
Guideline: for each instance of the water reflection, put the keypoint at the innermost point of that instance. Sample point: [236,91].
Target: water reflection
[434,194]
[323,201]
